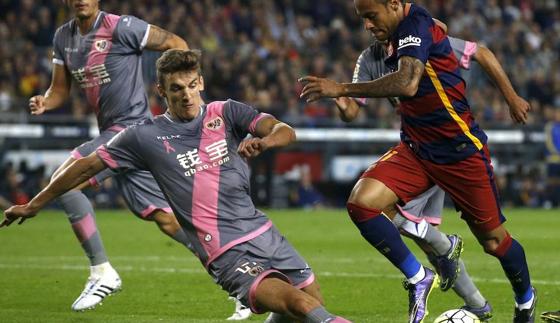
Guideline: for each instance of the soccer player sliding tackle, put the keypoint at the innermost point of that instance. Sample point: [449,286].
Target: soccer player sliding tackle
[196,153]
[439,140]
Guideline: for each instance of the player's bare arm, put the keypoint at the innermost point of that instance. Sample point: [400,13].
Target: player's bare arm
[348,108]
[56,94]
[403,82]
[161,40]
[518,107]
[270,133]
[78,172]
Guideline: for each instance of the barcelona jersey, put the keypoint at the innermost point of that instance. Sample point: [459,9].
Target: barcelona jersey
[437,122]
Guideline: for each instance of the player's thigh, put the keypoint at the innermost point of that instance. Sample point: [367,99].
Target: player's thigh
[397,175]
[241,269]
[472,187]
[141,193]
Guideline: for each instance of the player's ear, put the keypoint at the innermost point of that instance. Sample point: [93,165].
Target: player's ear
[201,81]
[161,90]
[394,4]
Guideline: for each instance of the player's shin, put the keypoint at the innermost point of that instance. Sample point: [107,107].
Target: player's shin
[82,217]
[382,234]
[512,258]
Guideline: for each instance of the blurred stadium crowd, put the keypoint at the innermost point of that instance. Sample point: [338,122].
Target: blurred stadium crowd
[255,50]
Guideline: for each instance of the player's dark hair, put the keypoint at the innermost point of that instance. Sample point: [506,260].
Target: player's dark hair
[177,60]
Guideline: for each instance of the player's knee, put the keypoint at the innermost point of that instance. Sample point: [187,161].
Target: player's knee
[498,247]
[166,222]
[359,213]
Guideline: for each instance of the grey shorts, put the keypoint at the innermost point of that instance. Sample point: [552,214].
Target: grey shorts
[139,189]
[427,206]
[240,269]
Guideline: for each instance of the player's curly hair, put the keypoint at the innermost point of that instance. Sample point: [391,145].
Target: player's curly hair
[177,60]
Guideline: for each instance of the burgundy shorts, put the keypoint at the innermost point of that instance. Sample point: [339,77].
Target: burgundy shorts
[469,182]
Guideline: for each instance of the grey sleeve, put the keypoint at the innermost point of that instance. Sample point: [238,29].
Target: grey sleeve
[132,33]
[464,50]
[122,153]
[58,48]
[362,71]
[242,117]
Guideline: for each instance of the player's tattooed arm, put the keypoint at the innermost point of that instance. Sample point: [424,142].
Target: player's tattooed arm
[75,174]
[403,82]
[161,40]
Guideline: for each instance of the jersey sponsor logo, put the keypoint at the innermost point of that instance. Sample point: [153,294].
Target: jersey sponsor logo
[214,124]
[191,162]
[101,45]
[409,41]
[169,137]
[91,76]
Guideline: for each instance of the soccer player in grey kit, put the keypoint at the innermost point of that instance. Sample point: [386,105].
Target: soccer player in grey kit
[196,153]
[101,52]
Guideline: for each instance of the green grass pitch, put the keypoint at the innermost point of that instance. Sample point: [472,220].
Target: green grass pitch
[42,270]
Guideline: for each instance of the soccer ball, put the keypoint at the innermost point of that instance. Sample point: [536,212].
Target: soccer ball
[457,316]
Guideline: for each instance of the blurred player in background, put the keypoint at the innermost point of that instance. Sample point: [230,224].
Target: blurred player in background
[419,217]
[101,52]
[196,153]
[440,141]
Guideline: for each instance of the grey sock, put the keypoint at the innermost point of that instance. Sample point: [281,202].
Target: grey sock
[318,315]
[82,217]
[277,318]
[437,240]
[466,289]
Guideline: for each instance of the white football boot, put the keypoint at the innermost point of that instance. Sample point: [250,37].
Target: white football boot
[102,282]
[242,312]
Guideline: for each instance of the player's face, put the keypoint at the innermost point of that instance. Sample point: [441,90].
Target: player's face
[379,19]
[182,93]
[83,8]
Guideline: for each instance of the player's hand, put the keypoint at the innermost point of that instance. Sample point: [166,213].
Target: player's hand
[316,88]
[37,104]
[519,109]
[252,147]
[343,103]
[21,212]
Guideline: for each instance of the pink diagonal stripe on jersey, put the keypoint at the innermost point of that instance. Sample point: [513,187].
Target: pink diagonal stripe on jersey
[206,184]
[96,57]
[84,228]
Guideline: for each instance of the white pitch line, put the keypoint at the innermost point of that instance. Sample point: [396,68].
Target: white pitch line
[172,270]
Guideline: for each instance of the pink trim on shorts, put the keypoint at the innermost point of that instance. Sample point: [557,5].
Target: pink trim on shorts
[470,50]
[255,284]
[152,208]
[259,117]
[84,228]
[106,157]
[96,57]
[307,282]
[416,219]
[230,244]
[76,154]
[93,182]
[116,128]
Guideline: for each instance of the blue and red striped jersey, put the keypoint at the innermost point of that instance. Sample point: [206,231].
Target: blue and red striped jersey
[437,122]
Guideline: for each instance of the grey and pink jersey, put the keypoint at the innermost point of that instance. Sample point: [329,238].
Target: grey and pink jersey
[106,64]
[371,63]
[196,164]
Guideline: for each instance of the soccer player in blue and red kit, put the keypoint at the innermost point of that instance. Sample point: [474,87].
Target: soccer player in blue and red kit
[196,153]
[441,144]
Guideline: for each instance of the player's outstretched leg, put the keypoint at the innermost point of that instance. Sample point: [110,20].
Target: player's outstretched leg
[103,280]
[551,317]
[276,295]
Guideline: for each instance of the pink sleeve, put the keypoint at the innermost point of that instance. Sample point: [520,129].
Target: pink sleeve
[470,50]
